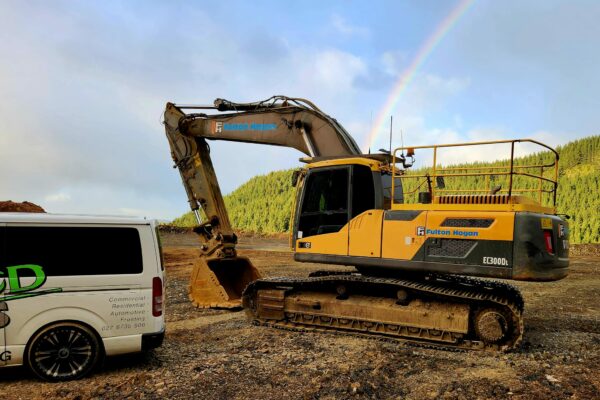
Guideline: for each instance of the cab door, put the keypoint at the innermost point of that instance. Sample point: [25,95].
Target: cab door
[323,212]
[4,318]
[365,215]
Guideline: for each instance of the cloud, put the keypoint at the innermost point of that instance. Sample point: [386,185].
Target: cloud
[57,197]
[425,95]
[491,152]
[552,139]
[449,86]
[131,211]
[534,60]
[343,27]
[393,61]
[101,81]
[336,70]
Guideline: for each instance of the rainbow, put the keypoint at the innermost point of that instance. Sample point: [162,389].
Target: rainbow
[409,73]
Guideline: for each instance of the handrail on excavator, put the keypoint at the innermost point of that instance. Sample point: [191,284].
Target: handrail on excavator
[511,170]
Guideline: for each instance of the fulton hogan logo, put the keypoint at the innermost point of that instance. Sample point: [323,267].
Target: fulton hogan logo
[220,127]
[421,231]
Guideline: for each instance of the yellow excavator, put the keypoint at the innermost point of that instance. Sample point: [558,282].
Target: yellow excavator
[417,241]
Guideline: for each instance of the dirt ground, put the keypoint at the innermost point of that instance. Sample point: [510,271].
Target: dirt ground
[217,354]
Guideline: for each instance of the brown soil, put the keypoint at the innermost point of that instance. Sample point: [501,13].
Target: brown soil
[585,250]
[217,354]
[11,206]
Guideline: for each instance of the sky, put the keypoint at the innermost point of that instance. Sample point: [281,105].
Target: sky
[83,84]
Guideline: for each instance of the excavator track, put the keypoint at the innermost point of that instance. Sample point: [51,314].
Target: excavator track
[449,312]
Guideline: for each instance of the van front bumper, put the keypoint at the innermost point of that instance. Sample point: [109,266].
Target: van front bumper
[152,340]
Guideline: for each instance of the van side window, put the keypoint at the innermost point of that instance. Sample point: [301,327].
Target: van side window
[69,251]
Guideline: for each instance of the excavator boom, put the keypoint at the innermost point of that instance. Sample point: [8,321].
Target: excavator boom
[219,275]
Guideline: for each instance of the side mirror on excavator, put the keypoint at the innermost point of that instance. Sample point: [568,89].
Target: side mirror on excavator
[295,176]
[440,183]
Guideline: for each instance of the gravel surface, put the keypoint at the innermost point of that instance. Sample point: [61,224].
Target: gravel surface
[217,354]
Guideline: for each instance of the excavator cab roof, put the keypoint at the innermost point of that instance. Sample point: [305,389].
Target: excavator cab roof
[373,161]
[381,157]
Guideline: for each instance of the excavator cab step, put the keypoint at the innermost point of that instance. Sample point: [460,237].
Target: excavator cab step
[219,282]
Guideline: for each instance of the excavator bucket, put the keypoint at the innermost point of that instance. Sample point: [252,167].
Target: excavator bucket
[219,282]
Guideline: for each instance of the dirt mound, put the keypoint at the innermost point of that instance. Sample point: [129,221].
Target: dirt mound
[11,206]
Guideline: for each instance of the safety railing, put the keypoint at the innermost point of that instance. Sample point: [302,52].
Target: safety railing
[532,180]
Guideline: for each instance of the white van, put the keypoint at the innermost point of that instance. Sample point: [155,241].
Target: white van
[74,289]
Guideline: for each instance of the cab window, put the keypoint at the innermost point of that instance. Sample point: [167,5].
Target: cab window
[330,201]
[363,190]
[325,204]
[398,196]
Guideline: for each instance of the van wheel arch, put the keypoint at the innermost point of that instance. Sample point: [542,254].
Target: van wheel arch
[96,340]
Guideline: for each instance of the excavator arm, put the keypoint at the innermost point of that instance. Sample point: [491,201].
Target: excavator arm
[220,276]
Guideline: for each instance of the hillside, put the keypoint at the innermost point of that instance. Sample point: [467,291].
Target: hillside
[264,203]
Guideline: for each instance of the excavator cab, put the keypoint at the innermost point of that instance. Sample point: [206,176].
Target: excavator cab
[447,220]
[331,195]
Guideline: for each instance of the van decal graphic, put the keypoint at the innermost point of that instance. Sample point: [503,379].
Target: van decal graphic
[12,288]
[4,318]
[6,356]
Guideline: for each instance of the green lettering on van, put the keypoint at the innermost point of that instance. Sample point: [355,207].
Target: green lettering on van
[14,282]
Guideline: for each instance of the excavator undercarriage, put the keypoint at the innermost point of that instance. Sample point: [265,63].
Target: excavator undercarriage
[447,311]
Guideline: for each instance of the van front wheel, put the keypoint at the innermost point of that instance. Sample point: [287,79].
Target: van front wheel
[63,351]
